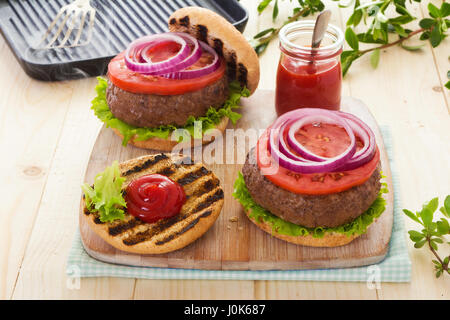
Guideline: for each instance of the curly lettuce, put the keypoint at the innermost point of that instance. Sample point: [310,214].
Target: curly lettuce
[280,226]
[105,196]
[209,121]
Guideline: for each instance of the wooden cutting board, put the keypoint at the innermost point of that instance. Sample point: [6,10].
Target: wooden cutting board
[234,242]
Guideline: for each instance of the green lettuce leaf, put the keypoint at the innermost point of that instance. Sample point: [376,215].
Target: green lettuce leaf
[105,197]
[280,226]
[209,121]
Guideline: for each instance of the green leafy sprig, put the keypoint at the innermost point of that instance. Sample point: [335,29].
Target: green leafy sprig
[373,14]
[433,232]
[305,8]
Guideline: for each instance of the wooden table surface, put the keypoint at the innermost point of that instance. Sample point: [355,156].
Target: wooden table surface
[47,131]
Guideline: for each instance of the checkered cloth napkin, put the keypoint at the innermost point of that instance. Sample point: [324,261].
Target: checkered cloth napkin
[396,267]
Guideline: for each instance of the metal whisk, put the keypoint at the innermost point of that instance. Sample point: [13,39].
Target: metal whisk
[76,15]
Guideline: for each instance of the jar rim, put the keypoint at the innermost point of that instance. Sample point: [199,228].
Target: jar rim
[332,31]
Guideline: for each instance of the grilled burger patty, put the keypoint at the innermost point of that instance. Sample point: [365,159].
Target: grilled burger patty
[330,210]
[203,205]
[152,110]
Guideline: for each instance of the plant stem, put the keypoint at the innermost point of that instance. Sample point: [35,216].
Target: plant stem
[444,267]
[400,40]
[275,32]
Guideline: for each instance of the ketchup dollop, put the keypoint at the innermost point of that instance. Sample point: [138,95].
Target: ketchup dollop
[153,197]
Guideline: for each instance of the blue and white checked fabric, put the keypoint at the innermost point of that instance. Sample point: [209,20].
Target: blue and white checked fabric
[396,267]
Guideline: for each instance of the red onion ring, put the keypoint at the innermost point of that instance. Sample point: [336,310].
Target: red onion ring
[137,59]
[190,74]
[300,149]
[169,65]
[196,53]
[366,153]
[308,162]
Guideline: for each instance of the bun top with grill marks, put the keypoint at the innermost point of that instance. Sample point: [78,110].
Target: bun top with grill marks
[212,28]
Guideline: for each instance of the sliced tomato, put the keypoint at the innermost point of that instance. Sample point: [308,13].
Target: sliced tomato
[135,82]
[312,183]
[325,140]
[163,51]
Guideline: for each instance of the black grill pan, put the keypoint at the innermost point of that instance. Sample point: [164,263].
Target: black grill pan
[118,22]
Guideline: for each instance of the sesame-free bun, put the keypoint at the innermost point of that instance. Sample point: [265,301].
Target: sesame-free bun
[328,240]
[212,28]
[197,215]
[168,144]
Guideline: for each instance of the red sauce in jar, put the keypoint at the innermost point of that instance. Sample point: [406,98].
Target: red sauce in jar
[154,197]
[300,84]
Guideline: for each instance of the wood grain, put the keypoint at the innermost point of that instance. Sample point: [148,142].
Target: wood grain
[240,245]
[43,126]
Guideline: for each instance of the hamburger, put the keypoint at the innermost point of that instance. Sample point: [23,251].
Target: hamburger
[313,179]
[193,75]
[152,204]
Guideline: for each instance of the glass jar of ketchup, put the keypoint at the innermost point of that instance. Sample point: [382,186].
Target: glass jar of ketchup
[307,77]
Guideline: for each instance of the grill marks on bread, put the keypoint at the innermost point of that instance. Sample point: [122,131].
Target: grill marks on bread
[235,71]
[202,190]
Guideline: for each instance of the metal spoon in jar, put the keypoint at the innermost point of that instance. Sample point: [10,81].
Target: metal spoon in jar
[320,27]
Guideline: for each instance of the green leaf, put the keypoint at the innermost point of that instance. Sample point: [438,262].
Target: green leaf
[434,11]
[347,58]
[411,215]
[400,31]
[352,39]
[425,35]
[381,33]
[437,240]
[342,4]
[419,244]
[426,23]
[443,226]
[427,217]
[260,48]
[447,198]
[368,38]
[401,9]
[447,85]
[275,11]
[355,18]
[369,4]
[263,33]
[412,48]
[213,116]
[445,9]
[375,58]
[105,197]
[416,235]
[432,205]
[262,5]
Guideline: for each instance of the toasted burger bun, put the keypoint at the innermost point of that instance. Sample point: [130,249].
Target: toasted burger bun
[197,215]
[212,28]
[167,145]
[328,240]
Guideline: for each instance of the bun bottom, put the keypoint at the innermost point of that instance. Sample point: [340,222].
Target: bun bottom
[167,145]
[328,240]
[163,237]
[149,247]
